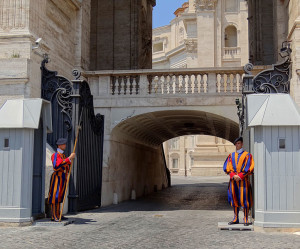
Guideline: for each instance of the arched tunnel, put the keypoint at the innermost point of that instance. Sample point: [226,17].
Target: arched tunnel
[136,161]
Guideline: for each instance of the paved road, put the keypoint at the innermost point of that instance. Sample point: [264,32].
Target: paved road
[184,216]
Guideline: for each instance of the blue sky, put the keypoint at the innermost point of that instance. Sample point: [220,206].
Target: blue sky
[164,10]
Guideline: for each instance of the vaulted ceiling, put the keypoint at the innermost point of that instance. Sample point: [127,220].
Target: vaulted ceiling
[154,128]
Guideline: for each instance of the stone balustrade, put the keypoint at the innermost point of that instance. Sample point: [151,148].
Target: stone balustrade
[168,82]
[231,52]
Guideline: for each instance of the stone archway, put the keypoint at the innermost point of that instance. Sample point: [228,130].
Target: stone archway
[135,160]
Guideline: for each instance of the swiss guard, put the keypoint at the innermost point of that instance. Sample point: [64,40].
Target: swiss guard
[239,165]
[59,178]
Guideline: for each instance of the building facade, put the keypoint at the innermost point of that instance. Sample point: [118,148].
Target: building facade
[202,34]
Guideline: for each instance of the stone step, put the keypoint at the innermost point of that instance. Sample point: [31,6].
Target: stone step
[239,227]
[47,222]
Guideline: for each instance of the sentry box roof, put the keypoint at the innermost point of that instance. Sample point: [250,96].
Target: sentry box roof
[25,113]
[272,110]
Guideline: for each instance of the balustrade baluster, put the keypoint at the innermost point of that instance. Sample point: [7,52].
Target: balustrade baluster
[180,83]
[150,83]
[119,79]
[162,84]
[197,83]
[131,80]
[235,83]
[205,83]
[137,84]
[231,79]
[219,82]
[113,85]
[125,80]
[193,83]
[226,78]
[173,84]
[177,89]
[168,84]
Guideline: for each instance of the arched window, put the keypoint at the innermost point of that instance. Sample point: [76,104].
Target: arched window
[230,36]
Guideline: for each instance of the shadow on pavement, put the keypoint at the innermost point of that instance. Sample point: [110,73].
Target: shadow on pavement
[194,196]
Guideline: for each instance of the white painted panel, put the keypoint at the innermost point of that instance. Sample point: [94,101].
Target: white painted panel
[27,168]
[4,172]
[275,169]
[18,155]
[268,166]
[259,170]
[282,170]
[11,168]
[290,151]
[1,162]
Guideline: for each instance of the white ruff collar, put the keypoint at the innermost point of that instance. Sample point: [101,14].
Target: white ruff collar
[60,151]
[240,150]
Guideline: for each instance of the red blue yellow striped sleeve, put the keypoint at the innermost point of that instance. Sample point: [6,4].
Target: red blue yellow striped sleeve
[60,162]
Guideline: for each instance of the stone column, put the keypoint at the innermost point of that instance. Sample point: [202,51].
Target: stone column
[205,10]
[121,34]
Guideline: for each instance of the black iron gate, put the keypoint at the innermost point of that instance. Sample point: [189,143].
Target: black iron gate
[90,149]
[69,101]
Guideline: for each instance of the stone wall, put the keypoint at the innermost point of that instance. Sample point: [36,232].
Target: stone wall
[121,34]
[64,29]
[131,166]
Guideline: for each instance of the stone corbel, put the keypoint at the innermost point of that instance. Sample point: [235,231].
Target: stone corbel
[201,5]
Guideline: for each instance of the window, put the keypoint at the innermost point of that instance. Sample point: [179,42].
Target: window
[175,163]
[281,143]
[230,36]
[231,6]
[6,143]
[158,47]
[174,143]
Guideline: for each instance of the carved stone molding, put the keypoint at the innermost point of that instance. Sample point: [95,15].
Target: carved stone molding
[201,5]
[191,45]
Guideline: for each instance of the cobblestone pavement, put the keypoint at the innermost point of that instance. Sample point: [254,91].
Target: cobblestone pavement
[184,216]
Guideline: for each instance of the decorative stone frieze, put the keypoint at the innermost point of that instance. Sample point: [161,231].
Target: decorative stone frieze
[201,5]
[191,45]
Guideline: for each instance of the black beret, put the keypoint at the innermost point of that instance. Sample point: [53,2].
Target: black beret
[238,139]
[61,141]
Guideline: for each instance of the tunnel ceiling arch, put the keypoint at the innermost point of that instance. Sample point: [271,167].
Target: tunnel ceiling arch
[154,128]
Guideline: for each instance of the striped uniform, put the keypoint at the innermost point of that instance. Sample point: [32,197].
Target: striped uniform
[58,179]
[239,192]
[58,183]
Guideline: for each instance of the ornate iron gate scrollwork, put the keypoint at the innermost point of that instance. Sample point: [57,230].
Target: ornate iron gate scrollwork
[69,100]
[58,90]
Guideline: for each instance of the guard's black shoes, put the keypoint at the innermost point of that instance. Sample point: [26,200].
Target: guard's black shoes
[63,218]
[233,222]
[246,224]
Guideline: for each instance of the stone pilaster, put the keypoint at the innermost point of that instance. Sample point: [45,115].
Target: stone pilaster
[205,10]
[14,15]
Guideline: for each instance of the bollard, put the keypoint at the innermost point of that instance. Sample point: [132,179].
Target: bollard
[115,200]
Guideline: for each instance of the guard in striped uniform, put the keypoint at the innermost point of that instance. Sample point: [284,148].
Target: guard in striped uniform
[239,165]
[59,178]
